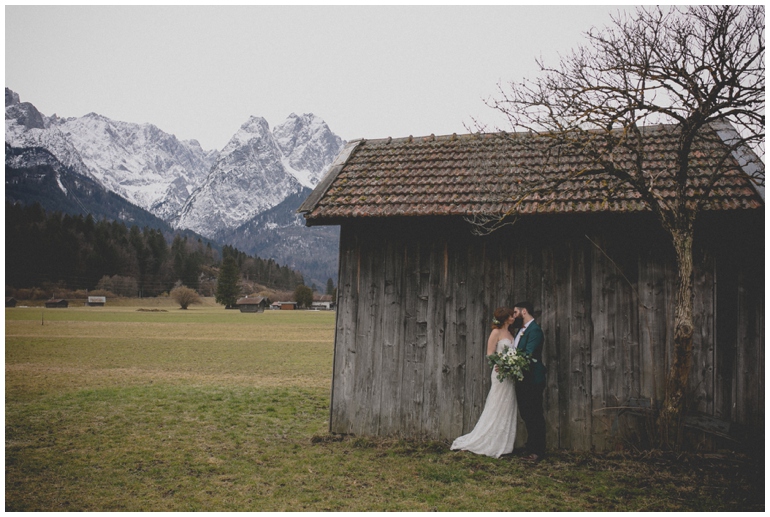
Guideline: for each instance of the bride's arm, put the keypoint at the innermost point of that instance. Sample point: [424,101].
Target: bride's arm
[492,342]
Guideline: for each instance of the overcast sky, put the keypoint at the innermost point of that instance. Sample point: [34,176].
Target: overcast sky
[200,72]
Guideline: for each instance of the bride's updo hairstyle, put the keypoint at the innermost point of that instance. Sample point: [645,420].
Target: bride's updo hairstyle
[500,316]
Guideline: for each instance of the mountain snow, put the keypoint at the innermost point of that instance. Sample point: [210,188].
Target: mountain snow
[247,192]
[146,166]
[248,178]
[26,127]
[257,170]
[308,147]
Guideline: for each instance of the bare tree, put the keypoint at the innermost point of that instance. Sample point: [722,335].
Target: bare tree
[700,71]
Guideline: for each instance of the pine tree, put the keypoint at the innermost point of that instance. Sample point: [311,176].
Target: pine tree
[329,286]
[227,283]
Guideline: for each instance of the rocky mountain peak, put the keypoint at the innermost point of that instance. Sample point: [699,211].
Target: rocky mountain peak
[211,192]
[23,113]
[11,97]
[258,169]
[255,128]
[146,166]
[256,125]
[308,147]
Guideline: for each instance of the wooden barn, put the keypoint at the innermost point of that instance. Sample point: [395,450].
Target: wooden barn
[10,301]
[56,303]
[417,290]
[253,304]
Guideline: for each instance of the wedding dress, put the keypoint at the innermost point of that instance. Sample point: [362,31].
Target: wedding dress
[495,432]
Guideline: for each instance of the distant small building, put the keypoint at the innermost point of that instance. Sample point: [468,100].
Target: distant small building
[57,303]
[255,304]
[10,301]
[284,306]
[323,302]
[96,301]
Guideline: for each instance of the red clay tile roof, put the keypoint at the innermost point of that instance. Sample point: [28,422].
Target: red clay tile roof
[474,174]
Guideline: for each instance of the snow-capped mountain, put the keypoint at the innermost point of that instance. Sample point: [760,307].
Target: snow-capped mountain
[148,167]
[244,195]
[34,175]
[25,127]
[308,147]
[257,170]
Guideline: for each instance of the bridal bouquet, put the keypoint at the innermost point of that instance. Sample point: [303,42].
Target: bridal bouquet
[511,364]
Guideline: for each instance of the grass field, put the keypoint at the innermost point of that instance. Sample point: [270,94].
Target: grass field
[114,408]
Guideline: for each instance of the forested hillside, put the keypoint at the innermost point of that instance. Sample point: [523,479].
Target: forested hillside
[80,252]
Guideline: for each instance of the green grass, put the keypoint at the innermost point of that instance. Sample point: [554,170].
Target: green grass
[213,410]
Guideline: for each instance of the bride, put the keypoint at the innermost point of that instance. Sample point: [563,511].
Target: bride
[495,431]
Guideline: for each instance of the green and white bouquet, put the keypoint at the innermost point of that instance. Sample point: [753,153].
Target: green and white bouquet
[510,363]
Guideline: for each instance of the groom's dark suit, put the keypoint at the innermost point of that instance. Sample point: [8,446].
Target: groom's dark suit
[529,391]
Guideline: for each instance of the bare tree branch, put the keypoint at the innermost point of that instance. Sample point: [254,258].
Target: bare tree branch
[698,70]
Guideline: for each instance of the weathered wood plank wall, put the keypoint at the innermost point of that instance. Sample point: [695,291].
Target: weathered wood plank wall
[415,305]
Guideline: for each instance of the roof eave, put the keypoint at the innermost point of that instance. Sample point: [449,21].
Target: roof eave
[320,190]
[751,164]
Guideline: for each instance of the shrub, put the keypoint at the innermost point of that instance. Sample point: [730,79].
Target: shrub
[185,296]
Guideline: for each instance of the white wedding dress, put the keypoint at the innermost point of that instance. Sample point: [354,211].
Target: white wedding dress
[495,432]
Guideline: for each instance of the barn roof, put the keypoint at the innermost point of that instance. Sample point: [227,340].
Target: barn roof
[250,301]
[472,174]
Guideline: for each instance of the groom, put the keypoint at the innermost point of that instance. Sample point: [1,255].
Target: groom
[529,391]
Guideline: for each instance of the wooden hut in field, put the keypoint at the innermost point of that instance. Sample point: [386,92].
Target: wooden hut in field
[96,301]
[56,303]
[417,290]
[10,301]
[253,304]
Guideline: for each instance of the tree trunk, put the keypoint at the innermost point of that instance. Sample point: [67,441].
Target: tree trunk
[672,413]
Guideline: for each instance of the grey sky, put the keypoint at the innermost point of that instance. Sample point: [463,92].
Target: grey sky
[200,72]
